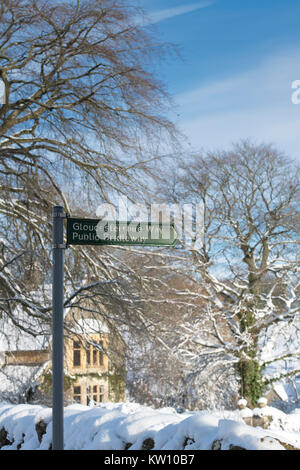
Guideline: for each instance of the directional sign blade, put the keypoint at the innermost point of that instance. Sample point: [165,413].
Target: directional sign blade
[101,232]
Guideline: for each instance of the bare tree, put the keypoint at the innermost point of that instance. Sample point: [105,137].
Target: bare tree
[83,118]
[155,370]
[248,265]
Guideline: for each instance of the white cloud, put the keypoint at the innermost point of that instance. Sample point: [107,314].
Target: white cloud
[256,104]
[161,15]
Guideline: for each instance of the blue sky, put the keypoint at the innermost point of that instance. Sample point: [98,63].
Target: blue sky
[239,59]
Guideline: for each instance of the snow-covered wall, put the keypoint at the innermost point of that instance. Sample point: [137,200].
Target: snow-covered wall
[129,426]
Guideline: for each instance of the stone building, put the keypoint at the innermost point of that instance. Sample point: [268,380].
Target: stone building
[26,364]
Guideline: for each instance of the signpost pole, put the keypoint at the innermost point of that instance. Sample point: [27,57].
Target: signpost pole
[57,329]
[84,232]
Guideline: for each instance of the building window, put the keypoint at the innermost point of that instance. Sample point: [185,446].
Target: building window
[77,393]
[76,353]
[101,393]
[95,393]
[95,357]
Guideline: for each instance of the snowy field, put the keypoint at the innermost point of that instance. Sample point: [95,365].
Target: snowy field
[131,426]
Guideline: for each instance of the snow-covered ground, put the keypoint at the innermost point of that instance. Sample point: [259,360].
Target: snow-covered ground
[122,426]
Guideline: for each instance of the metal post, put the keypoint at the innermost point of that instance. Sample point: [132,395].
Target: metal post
[57,330]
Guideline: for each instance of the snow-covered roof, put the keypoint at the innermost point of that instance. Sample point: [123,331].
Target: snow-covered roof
[90,326]
[18,338]
[15,380]
[288,390]
[279,348]
[280,340]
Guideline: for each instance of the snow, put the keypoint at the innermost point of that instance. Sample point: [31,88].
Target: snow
[262,401]
[19,423]
[281,392]
[90,325]
[14,338]
[242,402]
[246,413]
[238,434]
[279,348]
[112,426]
[289,389]
[16,380]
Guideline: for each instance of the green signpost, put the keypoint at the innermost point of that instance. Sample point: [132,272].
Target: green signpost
[88,232]
[102,232]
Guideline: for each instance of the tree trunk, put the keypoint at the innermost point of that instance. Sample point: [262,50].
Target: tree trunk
[248,367]
[250,372]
